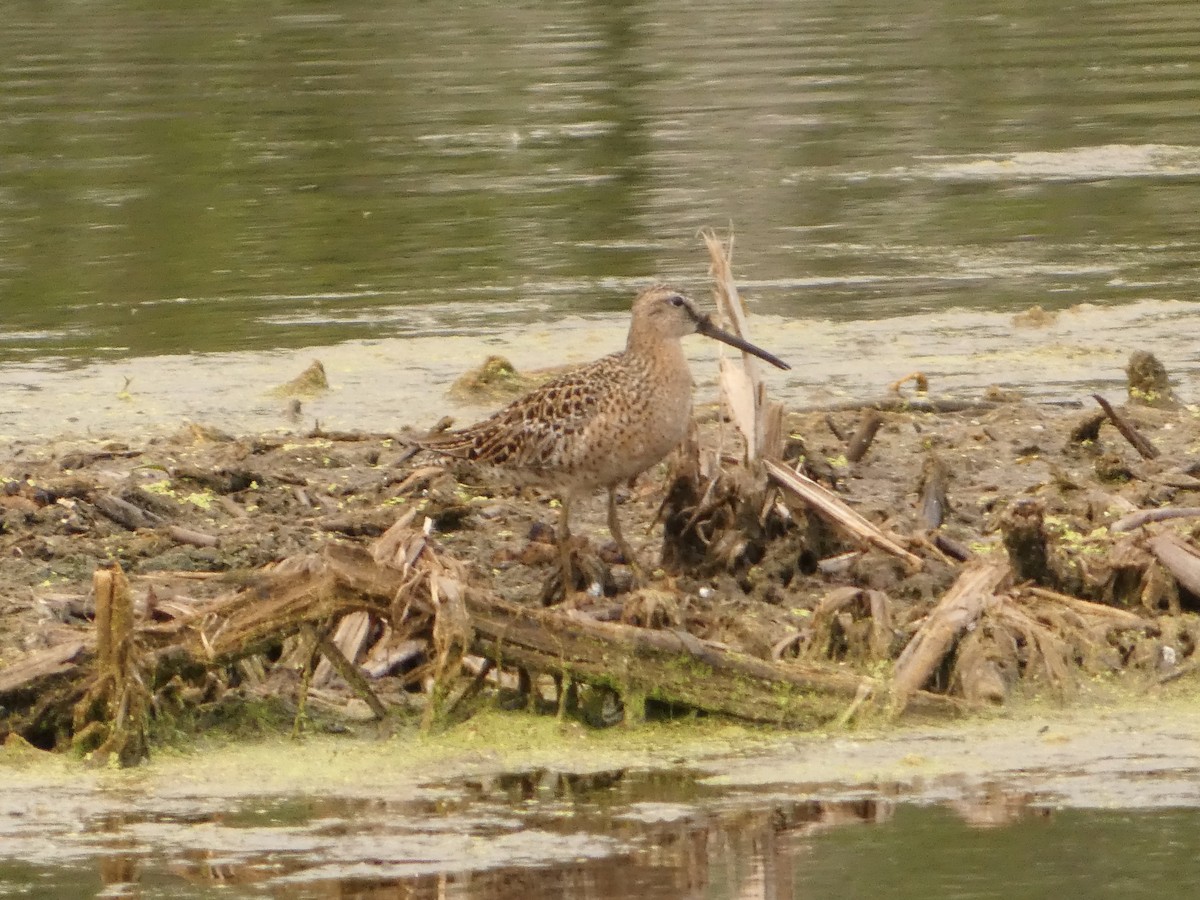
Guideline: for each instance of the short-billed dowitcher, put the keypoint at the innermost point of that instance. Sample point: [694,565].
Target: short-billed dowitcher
[604,422]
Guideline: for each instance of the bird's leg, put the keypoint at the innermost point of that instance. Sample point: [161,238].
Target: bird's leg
[564,548]
[614,528]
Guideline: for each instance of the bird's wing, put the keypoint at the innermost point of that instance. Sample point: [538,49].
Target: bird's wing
[536,430]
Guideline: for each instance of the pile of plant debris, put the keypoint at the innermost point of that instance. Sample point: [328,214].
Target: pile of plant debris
[906,555]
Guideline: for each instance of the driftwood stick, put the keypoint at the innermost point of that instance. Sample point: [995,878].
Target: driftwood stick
[1122,617]
[474,686]
[959,608]
[934,502]
[194,538]
[1146,516]
[125,513]
[951,547]
[1144,448]
[868,425]
[836,512]
[837,432]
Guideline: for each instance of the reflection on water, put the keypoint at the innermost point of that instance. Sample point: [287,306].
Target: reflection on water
[178,178]
[617,834]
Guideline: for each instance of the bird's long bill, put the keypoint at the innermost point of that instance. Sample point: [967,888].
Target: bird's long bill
[708,329]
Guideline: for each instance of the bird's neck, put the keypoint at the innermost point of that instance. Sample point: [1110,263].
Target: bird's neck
[657,353]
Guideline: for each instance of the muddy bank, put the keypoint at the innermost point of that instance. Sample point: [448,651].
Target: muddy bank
[1112,747]
[376,385]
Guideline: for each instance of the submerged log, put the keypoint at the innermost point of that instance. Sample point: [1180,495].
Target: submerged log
[670,666]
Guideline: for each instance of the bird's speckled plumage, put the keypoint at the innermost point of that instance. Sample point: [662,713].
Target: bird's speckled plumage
[604,422]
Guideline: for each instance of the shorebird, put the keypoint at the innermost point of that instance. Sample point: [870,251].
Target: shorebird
[602,423]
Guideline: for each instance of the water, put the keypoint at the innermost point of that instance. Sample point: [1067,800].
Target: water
[540,834]
[176,180]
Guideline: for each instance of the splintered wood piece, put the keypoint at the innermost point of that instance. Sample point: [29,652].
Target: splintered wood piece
[351,673]
[741,385]
[452,640]
[959,608]
[738,391]
[349,637]
[833,510]
[110,717]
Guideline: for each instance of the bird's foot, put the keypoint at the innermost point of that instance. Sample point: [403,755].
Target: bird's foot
[579,579]
[615,554]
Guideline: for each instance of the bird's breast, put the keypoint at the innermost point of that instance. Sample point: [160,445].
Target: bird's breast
[642,418]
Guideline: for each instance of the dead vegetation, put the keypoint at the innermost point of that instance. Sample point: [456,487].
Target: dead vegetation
[890,557]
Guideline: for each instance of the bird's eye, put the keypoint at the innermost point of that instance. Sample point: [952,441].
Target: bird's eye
[676,300]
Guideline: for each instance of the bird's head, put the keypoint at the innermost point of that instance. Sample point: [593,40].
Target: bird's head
[661,312]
